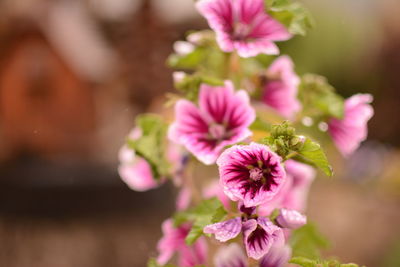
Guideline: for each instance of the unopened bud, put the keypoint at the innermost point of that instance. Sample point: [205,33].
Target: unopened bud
[183,48]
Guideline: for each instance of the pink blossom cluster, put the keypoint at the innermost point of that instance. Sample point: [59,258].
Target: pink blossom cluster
[264,193]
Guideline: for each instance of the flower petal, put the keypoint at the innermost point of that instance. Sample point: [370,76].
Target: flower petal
[226,230]
[191,130]
[235,165]
[243,25]
[277,256]
[194,255]
[137,175]
[219,14]
[349,132]
[230,256]
[280,93]
[291,219]
[259,236]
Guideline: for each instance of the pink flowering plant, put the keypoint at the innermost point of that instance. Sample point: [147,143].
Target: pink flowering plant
[244,111]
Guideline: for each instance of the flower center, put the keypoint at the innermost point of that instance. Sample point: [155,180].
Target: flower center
[217,131]
[241,31]
[256,174]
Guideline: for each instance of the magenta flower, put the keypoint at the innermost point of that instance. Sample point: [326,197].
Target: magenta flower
[222,118]
[252,173]
[230,256]
[174,241]
[278,256]
[350,131]
[280,90]
[293,194]
[243,25]
[259,234]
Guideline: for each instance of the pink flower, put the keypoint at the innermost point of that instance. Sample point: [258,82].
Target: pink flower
[252,173]
[280,90]
[293,194]
[243,25]
[134,170]
[350,131]
[222,118]
[259,234]
[290,219]
[174,241]
[278,256]
[230,256]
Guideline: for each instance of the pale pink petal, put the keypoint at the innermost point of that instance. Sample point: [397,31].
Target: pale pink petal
[291,219]
[280,92]
[137,175]
[230,256]
[350,131]
[173,241]
[183,199]
[226,230]
[278,256]
[294,192]
[195,255]
[126,155]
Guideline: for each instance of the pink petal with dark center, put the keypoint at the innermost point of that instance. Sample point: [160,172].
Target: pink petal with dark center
[236,168]
[259,235]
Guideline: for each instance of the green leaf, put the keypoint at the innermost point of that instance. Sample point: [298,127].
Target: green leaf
[153,263]
[206,58]
[152,144]
[307,242]
[292,14]
[312,152]
[188,61]
[305,262]
[260,125]
[317,94]
[207,212]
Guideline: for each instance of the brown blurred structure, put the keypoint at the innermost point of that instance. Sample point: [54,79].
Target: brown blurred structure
[45,107]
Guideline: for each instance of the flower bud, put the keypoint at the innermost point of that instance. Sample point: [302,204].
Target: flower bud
[291,219]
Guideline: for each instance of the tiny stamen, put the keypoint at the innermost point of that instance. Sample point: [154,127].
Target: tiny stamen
[256,174]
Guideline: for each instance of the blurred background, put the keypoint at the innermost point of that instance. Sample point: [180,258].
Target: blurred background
[73,75]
